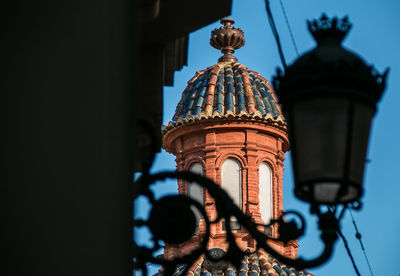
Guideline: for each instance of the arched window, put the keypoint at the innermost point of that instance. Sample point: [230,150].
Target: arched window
[231,176]
[195,191]
[231,181]
[265,192]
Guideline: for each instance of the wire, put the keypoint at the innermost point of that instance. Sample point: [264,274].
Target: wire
[346,245]
[275,33]
[290,29]
[358,236]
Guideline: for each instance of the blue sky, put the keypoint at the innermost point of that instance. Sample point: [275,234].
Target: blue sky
[376,37]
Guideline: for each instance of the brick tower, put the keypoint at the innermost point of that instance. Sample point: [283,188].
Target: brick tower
[229,127]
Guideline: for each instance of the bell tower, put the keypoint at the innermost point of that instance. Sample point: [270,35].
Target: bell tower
[228,126]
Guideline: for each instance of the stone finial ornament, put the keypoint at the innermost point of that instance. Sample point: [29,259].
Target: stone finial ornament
[227,39]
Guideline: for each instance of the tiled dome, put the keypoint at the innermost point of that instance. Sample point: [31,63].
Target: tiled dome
[227,90]
[258,263]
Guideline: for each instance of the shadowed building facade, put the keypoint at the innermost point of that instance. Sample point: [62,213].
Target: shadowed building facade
[228,126]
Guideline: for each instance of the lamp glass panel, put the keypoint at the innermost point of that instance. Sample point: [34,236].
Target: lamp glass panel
[326,191]
[362,122]
[319,132]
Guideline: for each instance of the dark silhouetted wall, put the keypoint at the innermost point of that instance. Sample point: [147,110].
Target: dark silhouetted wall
[66,87]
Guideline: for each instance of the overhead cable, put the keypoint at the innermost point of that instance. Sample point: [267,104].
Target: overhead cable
[290,29]
[358,236]
[275,33]
[346,245]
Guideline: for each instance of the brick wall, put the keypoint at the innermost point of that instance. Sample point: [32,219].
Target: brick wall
[250,142]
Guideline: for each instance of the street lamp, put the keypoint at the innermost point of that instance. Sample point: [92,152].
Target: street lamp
[329,97]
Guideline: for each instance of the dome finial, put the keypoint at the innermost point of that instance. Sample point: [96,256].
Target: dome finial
[227,39]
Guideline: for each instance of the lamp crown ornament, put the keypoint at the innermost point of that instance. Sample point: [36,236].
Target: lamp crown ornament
[227,39]
[332,29]
[330,63]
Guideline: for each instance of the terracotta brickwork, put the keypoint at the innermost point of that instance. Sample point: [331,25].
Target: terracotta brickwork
[250,142]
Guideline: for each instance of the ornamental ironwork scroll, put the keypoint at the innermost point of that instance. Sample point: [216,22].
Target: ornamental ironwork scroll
[173,221]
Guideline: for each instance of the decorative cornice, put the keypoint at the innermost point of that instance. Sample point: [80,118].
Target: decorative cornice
[256,116]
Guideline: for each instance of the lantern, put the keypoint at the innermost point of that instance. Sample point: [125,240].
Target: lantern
[329,98]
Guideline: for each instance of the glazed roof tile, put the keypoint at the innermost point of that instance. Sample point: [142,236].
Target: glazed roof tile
[227,90]
[259,263]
